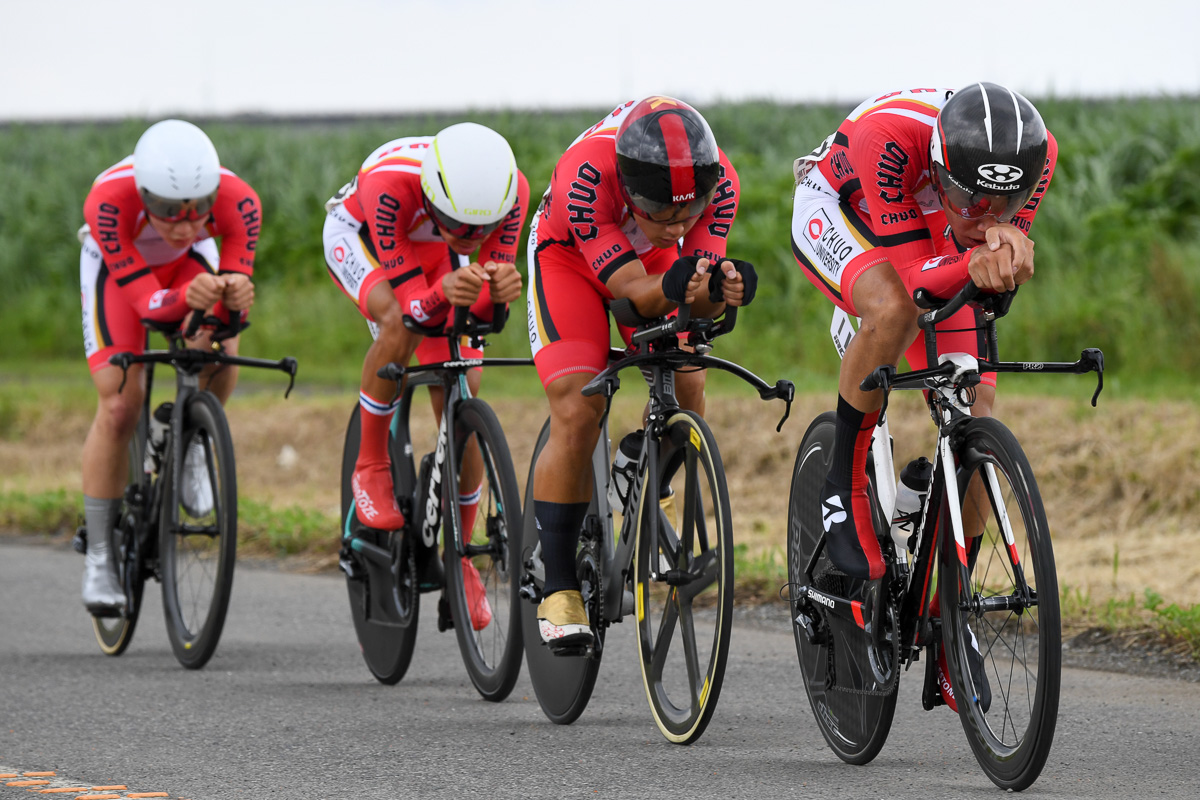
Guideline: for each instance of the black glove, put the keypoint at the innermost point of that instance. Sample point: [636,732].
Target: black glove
[675,280]
[716,280]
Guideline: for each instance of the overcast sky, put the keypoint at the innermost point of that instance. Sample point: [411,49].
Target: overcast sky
[114,58]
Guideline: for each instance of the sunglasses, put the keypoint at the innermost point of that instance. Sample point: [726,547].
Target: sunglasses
[459,230]
[192,209]
[977,205]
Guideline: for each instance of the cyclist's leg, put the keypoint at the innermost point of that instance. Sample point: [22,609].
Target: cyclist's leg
[110,326]
[569,333]
[358,274]
[856,277]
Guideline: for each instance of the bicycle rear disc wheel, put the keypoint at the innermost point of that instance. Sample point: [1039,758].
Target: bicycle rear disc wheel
[491,654]
[563,684]
[114,634]
[686,615]
[1004,628]
[197,556]
[385,601]
[853,711]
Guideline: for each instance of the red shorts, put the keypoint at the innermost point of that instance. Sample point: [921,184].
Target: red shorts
[110,324]
[568,311]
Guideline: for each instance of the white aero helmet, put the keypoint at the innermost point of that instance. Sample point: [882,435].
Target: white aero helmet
[469,179]
[176,169]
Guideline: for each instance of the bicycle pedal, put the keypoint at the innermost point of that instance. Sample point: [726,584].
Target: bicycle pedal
[79,542]
[430,575]
[931,693]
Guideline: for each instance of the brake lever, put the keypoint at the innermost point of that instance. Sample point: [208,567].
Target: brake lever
[1092,359]
[784,390]
[289,366]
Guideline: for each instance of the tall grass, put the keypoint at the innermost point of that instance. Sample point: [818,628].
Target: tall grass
[1118,236]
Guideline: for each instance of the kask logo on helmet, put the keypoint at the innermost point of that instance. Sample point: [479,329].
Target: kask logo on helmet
[1001,173]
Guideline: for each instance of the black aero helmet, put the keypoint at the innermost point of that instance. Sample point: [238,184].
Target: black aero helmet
[667,157]
[987,151]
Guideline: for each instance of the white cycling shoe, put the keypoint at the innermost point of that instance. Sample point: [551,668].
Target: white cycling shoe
[102,592]
[195,488]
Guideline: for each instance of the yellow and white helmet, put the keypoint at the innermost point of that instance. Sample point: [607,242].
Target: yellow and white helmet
[469,179]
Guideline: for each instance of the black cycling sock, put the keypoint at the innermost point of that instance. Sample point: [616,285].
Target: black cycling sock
[558,530]
[846,432]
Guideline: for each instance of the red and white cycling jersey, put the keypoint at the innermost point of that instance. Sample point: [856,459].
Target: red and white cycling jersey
[877,163]
[584,216]
[583,233]
[135,255]
[378,229]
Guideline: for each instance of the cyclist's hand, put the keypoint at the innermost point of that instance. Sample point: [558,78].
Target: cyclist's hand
[239,291]
[681,283]
[204,291]
[506,281]
[1005,262]
[462,285]
[734,283]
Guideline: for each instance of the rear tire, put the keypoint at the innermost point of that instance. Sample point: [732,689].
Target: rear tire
[114,634]
[563,684]
[1020,648]
[197,561]
[855,725]
[385,602]
[492,655]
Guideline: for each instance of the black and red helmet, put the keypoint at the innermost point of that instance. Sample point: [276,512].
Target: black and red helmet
[987,152]
[667,157]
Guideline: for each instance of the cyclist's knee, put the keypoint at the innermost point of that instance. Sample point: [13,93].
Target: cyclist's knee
[888,312]
[117,413]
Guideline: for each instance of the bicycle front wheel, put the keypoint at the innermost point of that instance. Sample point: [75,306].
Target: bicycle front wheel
[999,605]
[198,533]
[684,579]
[114,634]
[483,562]
[853,710]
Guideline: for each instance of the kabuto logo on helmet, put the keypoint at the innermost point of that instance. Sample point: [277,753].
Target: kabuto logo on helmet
[1001,173]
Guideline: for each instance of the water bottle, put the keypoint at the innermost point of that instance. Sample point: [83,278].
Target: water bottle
[160,420]
[624,469]
[910,497]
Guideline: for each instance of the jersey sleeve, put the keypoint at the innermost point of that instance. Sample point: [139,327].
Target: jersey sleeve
[708,237]
[502,244]
[237,219]
[889,175]
[388,206]
[112,218]
[1024,220]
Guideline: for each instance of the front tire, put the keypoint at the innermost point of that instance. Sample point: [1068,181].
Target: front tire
[684,618]
[1009,606]
[197,558]
[492,655]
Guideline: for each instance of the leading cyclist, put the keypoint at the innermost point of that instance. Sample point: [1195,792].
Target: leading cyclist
[149,255]
[397,241]
[639,206]
[917,188]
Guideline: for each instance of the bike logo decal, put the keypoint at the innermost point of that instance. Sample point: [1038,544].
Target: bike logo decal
[1001,173]
[832,512]
[433,507]
[820,598]
[694,436]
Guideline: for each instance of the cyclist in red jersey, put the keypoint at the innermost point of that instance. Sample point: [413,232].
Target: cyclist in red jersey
[917,188]
[397,241]
[149,255]
[639,207]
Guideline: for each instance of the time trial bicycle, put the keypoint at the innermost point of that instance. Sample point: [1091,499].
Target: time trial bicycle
[185,538]
[387,571]
[981,521]
[676,573]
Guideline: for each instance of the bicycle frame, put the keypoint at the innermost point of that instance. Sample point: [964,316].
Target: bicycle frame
[948,388]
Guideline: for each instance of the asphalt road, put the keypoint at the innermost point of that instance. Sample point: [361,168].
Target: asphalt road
[286,709]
